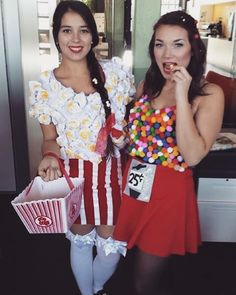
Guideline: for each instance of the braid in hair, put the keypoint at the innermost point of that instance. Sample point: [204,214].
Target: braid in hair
[98,81]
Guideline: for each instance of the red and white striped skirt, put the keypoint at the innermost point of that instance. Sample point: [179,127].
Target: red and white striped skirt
[102,189]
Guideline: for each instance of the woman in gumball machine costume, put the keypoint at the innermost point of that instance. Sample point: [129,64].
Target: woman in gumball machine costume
[172,126]
[81,107]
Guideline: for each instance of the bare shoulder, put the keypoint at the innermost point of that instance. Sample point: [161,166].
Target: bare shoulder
[214,96]
[213,89]
[208,113]
[140,88]
[212,101]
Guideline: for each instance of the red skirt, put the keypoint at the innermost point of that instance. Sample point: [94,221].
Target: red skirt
[169,222]
[102,190]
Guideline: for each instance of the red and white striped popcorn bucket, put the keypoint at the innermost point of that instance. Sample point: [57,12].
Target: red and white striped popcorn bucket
[50,207]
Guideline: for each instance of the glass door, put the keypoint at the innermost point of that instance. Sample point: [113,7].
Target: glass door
[7,170]
[14,171]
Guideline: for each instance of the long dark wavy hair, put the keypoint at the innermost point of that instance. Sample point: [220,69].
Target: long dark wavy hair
[154,81]
[96,73]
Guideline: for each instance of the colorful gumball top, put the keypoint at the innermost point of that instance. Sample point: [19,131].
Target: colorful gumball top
[152,135]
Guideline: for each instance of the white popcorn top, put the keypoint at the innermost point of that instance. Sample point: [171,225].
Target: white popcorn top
[79,117]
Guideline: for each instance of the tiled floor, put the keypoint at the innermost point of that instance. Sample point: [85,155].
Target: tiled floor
[39,265]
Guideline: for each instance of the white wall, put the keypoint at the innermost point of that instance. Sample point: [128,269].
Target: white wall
[220,53]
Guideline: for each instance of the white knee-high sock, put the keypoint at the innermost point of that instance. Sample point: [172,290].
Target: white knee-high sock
[104,264]
[81,256]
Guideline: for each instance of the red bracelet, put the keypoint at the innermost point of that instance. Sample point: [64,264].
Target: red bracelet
[51,154]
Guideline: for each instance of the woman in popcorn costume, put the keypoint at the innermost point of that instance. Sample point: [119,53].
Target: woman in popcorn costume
[174,122]
[81,107]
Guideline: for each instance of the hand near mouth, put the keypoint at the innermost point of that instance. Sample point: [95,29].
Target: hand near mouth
[183,80]
[172,66]
[169,66]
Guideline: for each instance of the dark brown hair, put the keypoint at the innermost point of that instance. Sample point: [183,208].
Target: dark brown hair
[96,73]
[196,66]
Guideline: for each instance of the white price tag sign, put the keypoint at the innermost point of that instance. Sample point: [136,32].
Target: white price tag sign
[140,180]
[136,180]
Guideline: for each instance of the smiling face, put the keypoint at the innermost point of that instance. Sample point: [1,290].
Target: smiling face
[171,48]
[74,37]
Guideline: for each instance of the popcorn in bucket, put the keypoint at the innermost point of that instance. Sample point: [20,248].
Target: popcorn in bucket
[50,207]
